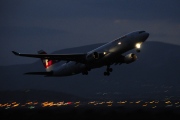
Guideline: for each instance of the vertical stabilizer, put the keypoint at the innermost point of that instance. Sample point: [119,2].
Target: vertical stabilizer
[48,63]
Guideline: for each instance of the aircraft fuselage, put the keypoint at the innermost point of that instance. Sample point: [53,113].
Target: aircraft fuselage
[111,51]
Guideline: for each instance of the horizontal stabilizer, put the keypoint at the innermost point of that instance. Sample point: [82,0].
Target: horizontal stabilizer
[39,73]
[16,53]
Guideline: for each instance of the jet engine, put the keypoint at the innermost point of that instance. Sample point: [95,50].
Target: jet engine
[92,56]
[129,58]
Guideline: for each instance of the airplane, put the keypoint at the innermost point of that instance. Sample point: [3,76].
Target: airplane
[110,53]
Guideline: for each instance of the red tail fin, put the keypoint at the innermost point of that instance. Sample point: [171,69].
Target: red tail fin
[47,62]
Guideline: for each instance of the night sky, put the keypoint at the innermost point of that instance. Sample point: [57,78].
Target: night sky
[30,25]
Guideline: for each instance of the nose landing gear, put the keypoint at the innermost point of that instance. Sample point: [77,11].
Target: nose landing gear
[138,50]
[138,46]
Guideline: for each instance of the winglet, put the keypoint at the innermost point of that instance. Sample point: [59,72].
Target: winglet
[16,53]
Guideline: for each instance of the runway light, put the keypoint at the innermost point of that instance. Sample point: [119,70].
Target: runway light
[31,107]
[138,102]
[168,102]
[16,105]
[76,106]
[154,106]
[144,105]
[178,106]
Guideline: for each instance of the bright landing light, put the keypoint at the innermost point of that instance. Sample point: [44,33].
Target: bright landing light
[119,43]
[138,45]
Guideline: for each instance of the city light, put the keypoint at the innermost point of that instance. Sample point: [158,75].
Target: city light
[139,103]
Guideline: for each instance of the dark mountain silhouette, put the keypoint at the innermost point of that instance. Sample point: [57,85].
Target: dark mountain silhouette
[155,75]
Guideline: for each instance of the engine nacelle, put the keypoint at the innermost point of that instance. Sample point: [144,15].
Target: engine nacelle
[129,58]
[92,57]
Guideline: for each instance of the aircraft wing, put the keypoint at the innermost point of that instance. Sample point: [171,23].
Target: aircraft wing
[66,57]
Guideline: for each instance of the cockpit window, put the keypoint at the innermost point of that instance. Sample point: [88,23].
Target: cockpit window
[141,32]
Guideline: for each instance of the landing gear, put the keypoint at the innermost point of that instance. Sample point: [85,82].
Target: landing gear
[85,73]
[138,46]
[106,73]
[108,70]
[138,50]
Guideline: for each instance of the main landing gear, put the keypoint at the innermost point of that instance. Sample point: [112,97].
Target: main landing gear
[85,72]
[108,70]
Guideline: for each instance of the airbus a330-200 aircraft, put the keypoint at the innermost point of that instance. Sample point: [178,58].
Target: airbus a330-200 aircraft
[106,55]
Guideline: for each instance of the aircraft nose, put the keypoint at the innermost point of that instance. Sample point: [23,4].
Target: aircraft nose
[146,35]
